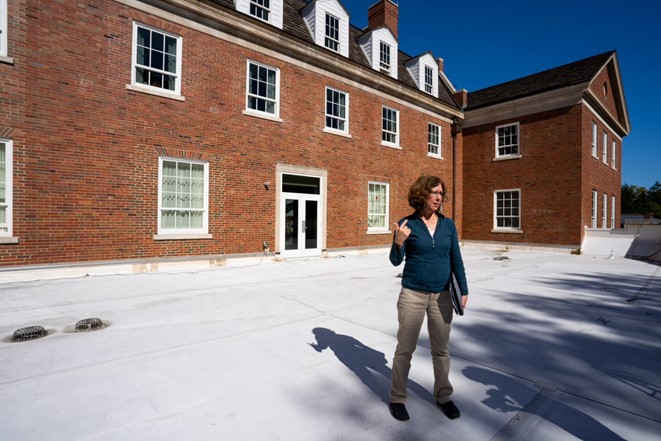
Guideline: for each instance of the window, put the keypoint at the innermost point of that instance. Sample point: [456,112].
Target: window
[613,154]
[508,210]
[260,9]
[384,57]
[612,212]
[6,188]
[377,210]
[157,59]
[337,105]
[332,39]
[433,140]
[604,211]
[593,218]
[604,149]
[263,84]
[594,139]
[183,196]
[3,28]
[507,140]
[429,79]
[389,132]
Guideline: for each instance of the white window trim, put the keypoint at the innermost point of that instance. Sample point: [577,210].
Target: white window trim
[201,233]
[604,149]
[339,32]
[594,138]
[614,155]
[146,88]
[604,211]
[496,228]
[595,204]
[9,192]
[612,212]
[3,30]
[438,155]
[387,69]
[516,155]
[395,144]
[386,228]
[431,85]
[257,5]
[327,129]
[254,112]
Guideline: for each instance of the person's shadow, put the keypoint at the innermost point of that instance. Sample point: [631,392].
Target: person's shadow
[508,395]
[365,362]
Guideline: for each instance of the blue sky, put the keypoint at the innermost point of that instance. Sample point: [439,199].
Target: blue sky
[484,43]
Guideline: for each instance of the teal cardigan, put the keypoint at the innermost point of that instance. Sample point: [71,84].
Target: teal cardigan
[430,259]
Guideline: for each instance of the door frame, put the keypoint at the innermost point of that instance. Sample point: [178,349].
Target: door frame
[322,175]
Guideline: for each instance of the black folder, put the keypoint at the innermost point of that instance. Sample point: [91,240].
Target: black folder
[455,293]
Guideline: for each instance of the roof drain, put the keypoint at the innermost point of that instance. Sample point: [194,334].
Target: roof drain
[89,324]
[29,333]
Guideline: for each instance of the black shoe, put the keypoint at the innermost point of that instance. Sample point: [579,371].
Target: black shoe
[450,410]
[398,411]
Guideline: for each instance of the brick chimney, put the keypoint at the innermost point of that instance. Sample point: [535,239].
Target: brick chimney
[384,12]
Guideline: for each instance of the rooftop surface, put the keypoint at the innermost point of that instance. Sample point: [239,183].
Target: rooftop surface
[552,347]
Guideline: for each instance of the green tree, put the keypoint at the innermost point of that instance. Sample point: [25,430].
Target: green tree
[654,199]
[634,199]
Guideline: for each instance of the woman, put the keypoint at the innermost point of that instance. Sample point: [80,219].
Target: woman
[428,240]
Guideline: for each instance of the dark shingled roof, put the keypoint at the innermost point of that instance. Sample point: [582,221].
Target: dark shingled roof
[573,73]
[294,25]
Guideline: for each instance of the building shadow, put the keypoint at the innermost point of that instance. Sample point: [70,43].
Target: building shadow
[368,364]
[508,395]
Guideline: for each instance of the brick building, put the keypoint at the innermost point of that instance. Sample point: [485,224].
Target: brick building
[173,129]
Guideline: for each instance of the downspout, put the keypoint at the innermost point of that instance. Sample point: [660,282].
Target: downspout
[455,129]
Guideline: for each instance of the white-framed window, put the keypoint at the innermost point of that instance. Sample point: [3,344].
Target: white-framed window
[6,190]
[261,9]
[183,196]
[507,140]
[337,110]
[604,211]
[378,196]
[507,210]
[156,59]
[390,126]
[612,212]
[604,149]
[594,138]
[434,140]
[332,33]
[3,28]
[263,87]
[595,203]
[613,154]
[384,57]
[429,79]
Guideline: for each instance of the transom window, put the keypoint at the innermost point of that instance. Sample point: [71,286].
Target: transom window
[184,188]
[337,104]
[508,209]
[507,140]
[390,126]
[5,188]
[157,59]
[429,79]
[262,88]
[433,139]
[377,210]
[260,9]
[384,57]
[332,40]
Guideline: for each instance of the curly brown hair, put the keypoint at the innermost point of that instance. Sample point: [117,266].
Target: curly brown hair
[422,188]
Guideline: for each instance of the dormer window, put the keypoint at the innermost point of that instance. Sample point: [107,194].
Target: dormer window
[260,9]
[429,79]
[424,71]
[384,57]
[332,40]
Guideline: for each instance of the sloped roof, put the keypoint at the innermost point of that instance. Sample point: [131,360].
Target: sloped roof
[582,71]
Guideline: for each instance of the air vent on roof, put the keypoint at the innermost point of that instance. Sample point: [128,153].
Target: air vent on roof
[29,333]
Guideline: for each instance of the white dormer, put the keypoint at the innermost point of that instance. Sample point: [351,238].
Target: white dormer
[424,71]
[380,47]
[328,23]
[269,11]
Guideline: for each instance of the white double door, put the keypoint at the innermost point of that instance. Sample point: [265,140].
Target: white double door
[300,217]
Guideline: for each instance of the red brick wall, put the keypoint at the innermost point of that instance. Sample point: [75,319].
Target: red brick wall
[86,149]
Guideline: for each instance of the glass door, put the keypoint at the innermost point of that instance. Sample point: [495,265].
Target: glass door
[300,218]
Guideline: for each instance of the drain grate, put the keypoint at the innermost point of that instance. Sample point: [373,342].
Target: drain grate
[89,324]
[29,333]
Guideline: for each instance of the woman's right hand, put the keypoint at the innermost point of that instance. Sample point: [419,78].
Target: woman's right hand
[402,233]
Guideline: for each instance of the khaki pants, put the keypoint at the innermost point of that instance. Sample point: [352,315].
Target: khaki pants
[411,309]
